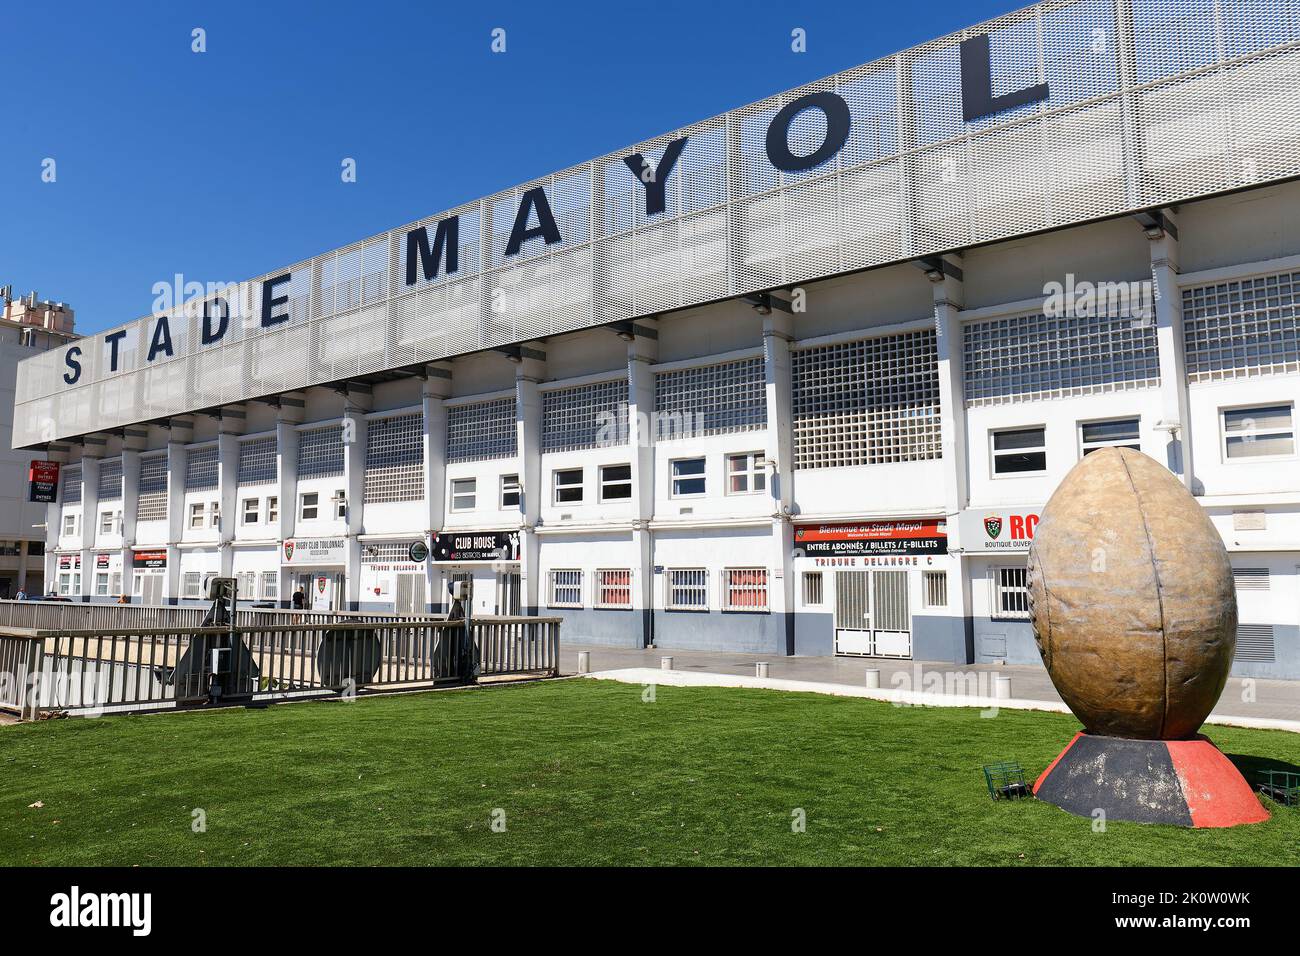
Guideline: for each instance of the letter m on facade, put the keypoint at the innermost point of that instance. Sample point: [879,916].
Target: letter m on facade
[420,258]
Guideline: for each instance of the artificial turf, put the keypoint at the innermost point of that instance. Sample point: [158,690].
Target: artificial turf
[581,772]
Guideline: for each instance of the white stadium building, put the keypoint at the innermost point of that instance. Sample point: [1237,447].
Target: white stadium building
[796,379]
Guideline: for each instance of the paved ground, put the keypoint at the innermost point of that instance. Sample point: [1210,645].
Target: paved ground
[1273,699]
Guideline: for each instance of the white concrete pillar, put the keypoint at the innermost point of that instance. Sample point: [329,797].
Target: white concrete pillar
[355,428]
[1175,416]
[529,374]
[179,434]
[778,334]
[434,391]
[230,426]
[642,353]
[89,517]
[130,510]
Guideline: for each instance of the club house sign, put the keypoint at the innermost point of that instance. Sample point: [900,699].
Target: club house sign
[426,257]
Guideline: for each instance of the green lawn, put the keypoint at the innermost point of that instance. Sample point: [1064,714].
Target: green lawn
[586,774]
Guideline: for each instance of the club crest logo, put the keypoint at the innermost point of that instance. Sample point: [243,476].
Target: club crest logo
[320,585]
[993,525]
[288,551]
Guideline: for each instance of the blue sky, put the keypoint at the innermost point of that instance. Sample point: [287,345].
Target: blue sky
[225,164]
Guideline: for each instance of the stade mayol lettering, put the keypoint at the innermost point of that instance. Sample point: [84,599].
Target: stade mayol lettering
[424,258]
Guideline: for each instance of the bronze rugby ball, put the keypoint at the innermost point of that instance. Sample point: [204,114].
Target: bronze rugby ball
[1132,599]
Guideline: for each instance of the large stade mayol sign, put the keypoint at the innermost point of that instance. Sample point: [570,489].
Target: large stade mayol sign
[1057,114]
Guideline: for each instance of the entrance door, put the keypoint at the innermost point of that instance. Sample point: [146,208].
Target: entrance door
[508,586]
[410,594]
[872,617]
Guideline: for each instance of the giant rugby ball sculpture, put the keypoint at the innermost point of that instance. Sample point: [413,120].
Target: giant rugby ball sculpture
[1134,611]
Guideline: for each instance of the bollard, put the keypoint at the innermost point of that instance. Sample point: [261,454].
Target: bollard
[873,678]
[584,662]
[1001,687]
[665,663]
[760,669]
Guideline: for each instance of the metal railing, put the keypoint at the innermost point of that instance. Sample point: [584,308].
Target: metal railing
[92,671]
[63,615]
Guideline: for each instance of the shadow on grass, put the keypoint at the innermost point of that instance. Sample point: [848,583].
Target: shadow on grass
[1255,770]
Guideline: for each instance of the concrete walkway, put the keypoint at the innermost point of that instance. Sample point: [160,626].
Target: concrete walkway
[1261,703]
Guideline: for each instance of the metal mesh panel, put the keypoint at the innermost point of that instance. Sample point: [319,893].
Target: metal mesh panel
[711,399]
[1150,103]
[586,416]
[1036,356]
[320,452]
[1241,328]
[110,480]
[258,462]
[201,469]
[868,402]
[72,485]
[395,458]
[481,430]
[152,497]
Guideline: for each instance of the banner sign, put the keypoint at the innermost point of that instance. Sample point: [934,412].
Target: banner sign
[476,546]
[42,481]
[142,560]
[307,551]
[997,530]
[69,562]
[928,536]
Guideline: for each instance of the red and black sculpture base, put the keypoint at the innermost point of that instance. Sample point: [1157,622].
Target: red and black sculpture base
[1188,783]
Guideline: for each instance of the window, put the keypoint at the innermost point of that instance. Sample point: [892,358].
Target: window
[201,469]
[464,494]
[340,500]
[744,589]
[615,482]
[585,416]
[272,509]
[251,509]
[65,583]
[309,506]
[812,589]
[101,584]
[614,588]
[270,585]
[320,452]
[745,474]
[1010,593]
[70,524]
[152,504]
[934,588]
[711,399]
[688,477]
[509,491]
[688,589]
[395,459]
[107,524]
[247,584]
[568,486]
[1265,431]
[192,585]
[1243,327]
[214,514]
[1120,433]
[566,588]
[1019,451]
[481,430]
[258,462]
[110,480]
[72,486]
[198,514]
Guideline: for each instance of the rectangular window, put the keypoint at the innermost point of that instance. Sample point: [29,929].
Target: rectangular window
[509,491]
[201,469]
[566,588]
[615,482]
[744,589]
[1010,593]
[745,474]
[1019,451]
[935,588]
[1120,433]
[464,494]
[710,399]
[395,459]
[70,524]
[320,452]
[272,509]
[614,588]
[247,583]
[309,506]
[115,583]
[688,477]
[214,514]
[198,514]
[688,589]
[250,510]
[106,523]
[258,462]
[585,416]
[340,500]
[270,585]
[812,589]
[481,430]
[192,585]
[1265,431]
[152,498]
[101,584]
[568,486]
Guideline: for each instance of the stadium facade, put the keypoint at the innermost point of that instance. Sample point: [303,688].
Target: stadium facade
[795,379]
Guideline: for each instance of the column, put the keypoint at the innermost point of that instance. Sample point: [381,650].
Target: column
[435,388]
[89,516]
[355,406]
[642,354]
[949,298]
[528,436]
[1175,416]
[778,333]
[179,433]
[229,427]
[130,506]
[54,516]
[288,416]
